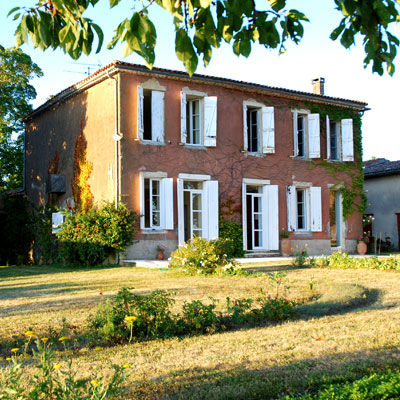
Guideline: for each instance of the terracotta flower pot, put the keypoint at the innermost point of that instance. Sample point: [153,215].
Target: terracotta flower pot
[362,248]
[285,247]
[160,255]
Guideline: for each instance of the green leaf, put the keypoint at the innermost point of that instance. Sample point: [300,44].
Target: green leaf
[347,38]
[100,36]
[185,52]
[113,3]
[337,31]
[62,35]
[13,11]
[277,5]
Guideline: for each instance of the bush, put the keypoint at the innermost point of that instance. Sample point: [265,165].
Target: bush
[89,237]
[198,318]
[17,230]
[231,237]
[52,381]
[152,316]
[202,256]
[343,260]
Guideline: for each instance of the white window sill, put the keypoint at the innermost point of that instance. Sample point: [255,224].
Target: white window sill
[149,231]
[195,146]
[152,143]
[303,233]
[254,154]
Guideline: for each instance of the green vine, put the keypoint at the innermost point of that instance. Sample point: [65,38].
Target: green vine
[349,191]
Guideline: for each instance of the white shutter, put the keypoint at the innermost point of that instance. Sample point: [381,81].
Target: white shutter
[271,214]
[157,116]
[140,124]
[212,208]
[291,207]
[245,144]
[314,147]
[183,118]
[167,203]
[347,140]
[295,145]
[316,209]
[181,222]
[210,121]
[328,139]
[244,216]
[268,130]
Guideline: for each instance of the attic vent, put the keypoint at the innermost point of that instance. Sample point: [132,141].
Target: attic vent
[57,184]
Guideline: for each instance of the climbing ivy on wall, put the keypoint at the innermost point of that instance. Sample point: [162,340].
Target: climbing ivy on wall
[83,196]
[354,189]
[53,169]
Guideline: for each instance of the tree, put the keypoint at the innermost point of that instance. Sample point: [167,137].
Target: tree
[201,26]
[16,70]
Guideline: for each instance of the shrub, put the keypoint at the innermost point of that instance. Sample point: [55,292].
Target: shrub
[17,230]
[52,381]
[231,237]
[89,237]
[201,256]
[46,245]
[238,310]
[343,260]
[152,313]
[198,317]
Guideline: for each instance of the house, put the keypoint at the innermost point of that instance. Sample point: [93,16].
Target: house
[382,183]
[175,147]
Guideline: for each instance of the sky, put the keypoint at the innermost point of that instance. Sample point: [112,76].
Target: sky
[316,56]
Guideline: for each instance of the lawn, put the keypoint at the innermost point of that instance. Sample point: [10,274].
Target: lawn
[354,332]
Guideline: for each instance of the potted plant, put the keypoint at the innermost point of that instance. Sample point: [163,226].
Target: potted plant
[285,243]
[161,252]
[362,244]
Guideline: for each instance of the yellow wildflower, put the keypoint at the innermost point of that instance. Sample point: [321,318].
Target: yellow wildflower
[14,350]
[63,338]
[44,339]
[130,318]
[98,348]
[94,382]
[57,366]
[126,366]
[30,333]
[8,358]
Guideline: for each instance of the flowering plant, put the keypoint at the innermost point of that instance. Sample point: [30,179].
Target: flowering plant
[364,238]
[284,233]
[161,248]
[367,220]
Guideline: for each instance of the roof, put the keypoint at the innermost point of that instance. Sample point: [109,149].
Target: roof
[380,167]
[118,66]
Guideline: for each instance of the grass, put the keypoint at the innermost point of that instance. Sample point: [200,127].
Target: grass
[347,331]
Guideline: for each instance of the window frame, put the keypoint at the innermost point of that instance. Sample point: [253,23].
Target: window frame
[306,209]
[190,100]
[311,134]
[151,181]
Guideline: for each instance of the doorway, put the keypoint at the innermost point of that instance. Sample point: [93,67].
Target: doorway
[335,218]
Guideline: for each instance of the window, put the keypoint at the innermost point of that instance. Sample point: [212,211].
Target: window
[258,128]
[152,217]
[197,207]
[156,206]
[304,208]
[334,140]
[260,214]
[150,115]
[339,140]
[306,134]
[198,119]
[193,124]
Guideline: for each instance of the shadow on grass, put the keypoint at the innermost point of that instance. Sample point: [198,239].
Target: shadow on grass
[32,270]
[274,268]
[300,376]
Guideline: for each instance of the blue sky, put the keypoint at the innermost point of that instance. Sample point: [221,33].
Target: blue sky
[316,56]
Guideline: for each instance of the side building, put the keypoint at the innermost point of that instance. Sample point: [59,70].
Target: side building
[177,149]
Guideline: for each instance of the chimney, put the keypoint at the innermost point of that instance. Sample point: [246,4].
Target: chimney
[318,86]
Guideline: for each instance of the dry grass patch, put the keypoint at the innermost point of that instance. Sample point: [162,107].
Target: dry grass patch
[261,362]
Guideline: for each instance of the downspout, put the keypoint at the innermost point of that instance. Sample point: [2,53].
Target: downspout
[116,138]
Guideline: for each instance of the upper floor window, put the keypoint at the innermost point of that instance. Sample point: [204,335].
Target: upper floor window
[258,128]
[339,140]
[198,119]
[306,134]
[150,114]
